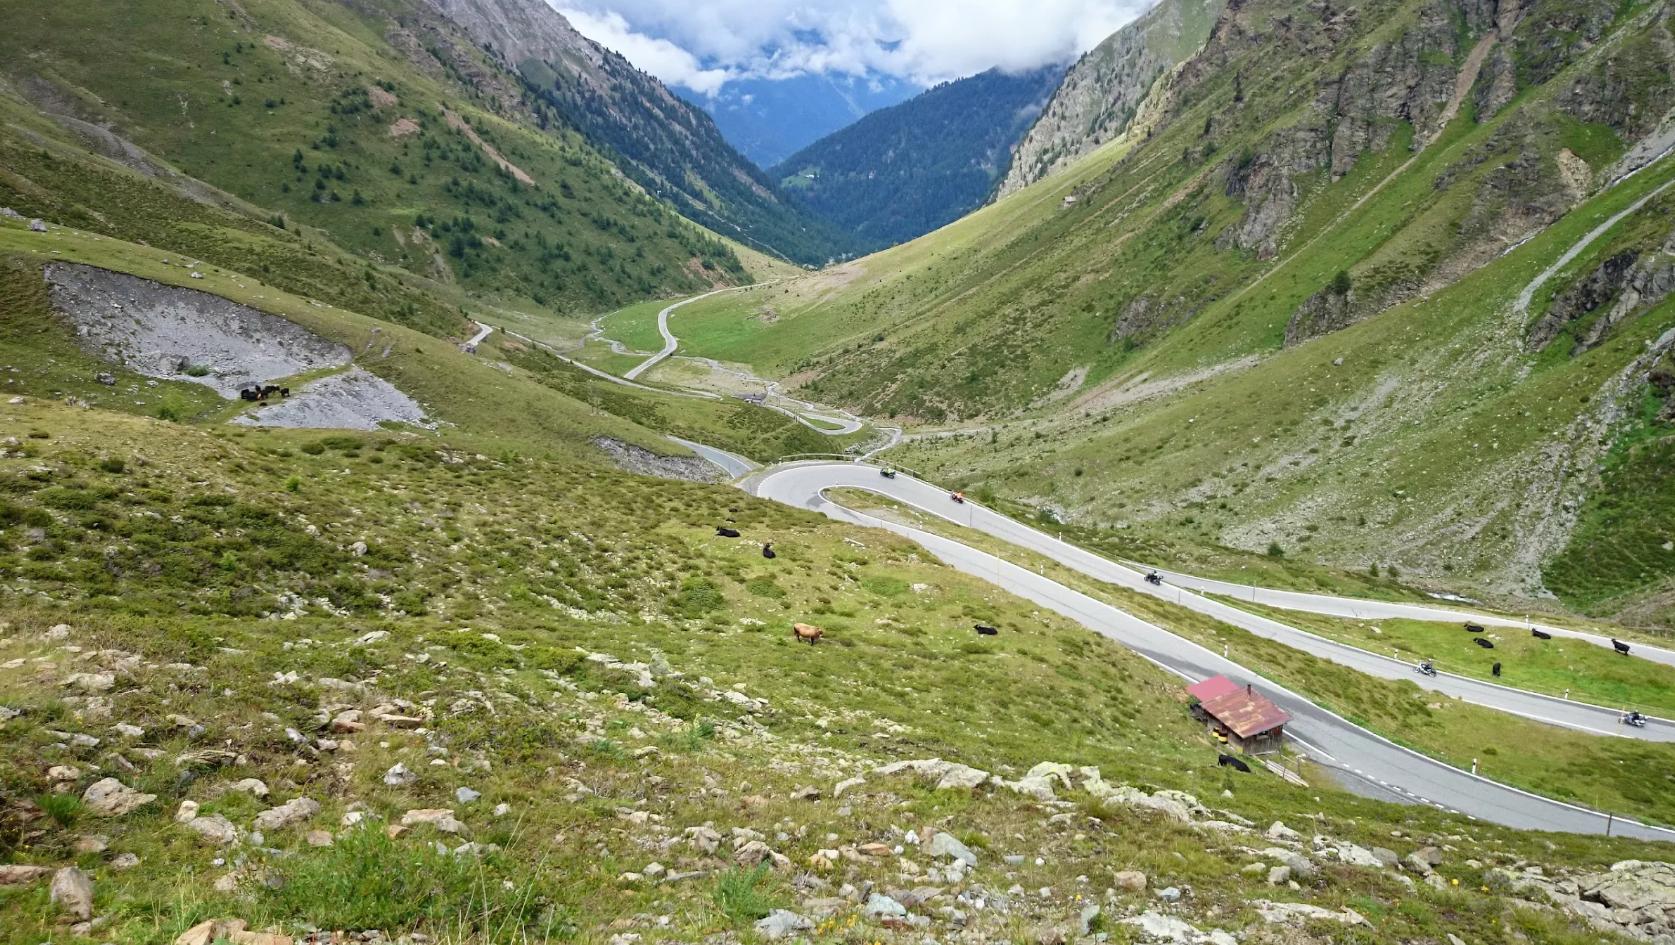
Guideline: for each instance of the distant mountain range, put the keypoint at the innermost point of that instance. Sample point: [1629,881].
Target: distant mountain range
[768,120]
[908,169]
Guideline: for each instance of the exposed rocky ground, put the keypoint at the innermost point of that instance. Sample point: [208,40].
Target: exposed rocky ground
[181,334]
[355,399]
[638,459]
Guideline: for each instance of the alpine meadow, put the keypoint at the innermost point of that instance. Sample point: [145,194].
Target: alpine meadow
[1214,485]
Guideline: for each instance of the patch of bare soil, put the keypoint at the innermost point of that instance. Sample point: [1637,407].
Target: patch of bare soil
[459,124]
[1133,390]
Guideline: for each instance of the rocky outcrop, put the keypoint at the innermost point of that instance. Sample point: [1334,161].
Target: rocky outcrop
[1325,311]
[1102,92]
[1264,181]
[1633,897]
[1618,289]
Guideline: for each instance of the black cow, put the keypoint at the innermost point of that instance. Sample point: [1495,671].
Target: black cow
[1234,762]
[1495,670]
[768,551]
[1540,634]
[284,392]
[984,631]
[1474,628]
[1620,646]
[1487,645]
[247,393]
[726,532]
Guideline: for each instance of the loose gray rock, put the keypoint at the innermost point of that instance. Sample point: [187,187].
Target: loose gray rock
[782,922]
[214,828]
[880,906]
[72,893]
[947,845]
[294,811]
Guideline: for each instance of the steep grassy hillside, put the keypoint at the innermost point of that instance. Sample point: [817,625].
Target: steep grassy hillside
[395,141]
[668,146]
[1301,307]
[906,170]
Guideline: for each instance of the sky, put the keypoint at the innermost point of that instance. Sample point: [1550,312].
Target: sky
[703,44]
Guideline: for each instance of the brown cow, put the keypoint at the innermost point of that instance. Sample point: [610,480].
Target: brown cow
[805,631]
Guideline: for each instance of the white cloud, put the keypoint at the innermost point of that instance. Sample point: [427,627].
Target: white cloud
[919,40]
[659,57]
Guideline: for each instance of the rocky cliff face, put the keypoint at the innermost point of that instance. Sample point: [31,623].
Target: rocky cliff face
[1102,92]
[1622,287]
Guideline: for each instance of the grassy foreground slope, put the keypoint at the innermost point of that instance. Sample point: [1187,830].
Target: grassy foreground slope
[1287,313]
[373,622]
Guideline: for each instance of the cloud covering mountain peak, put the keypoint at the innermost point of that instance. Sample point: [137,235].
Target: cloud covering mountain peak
[702,46]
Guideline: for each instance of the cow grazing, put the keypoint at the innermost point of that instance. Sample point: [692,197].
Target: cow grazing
[1486,644]
[768,551]
[805,631]
[1234,762]
[1540,634]
[1495,670]
[284,392]
[1619,646]
[984,631]
[726,532]
[1474,628]
[247,393]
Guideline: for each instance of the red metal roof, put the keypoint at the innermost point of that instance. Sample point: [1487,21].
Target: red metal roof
[1212,688]
[1245,712]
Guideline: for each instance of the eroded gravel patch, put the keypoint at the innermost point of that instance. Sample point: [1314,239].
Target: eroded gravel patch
[638,459]
[181,334]
[357,399]
[163,331]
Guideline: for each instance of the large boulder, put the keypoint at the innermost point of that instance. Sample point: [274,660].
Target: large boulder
[109,797]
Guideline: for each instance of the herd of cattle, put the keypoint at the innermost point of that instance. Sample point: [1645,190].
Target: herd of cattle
[1616,644]
[261,392]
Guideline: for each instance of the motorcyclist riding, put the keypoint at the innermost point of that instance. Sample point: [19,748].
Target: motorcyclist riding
[1425,668]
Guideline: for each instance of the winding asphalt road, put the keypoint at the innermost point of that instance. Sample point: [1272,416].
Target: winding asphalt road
[1375,765]
[1359,609]
[670,342]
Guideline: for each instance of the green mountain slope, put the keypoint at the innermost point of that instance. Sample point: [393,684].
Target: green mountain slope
[1302,264]
[908,169]
[406,145]
[664,143]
